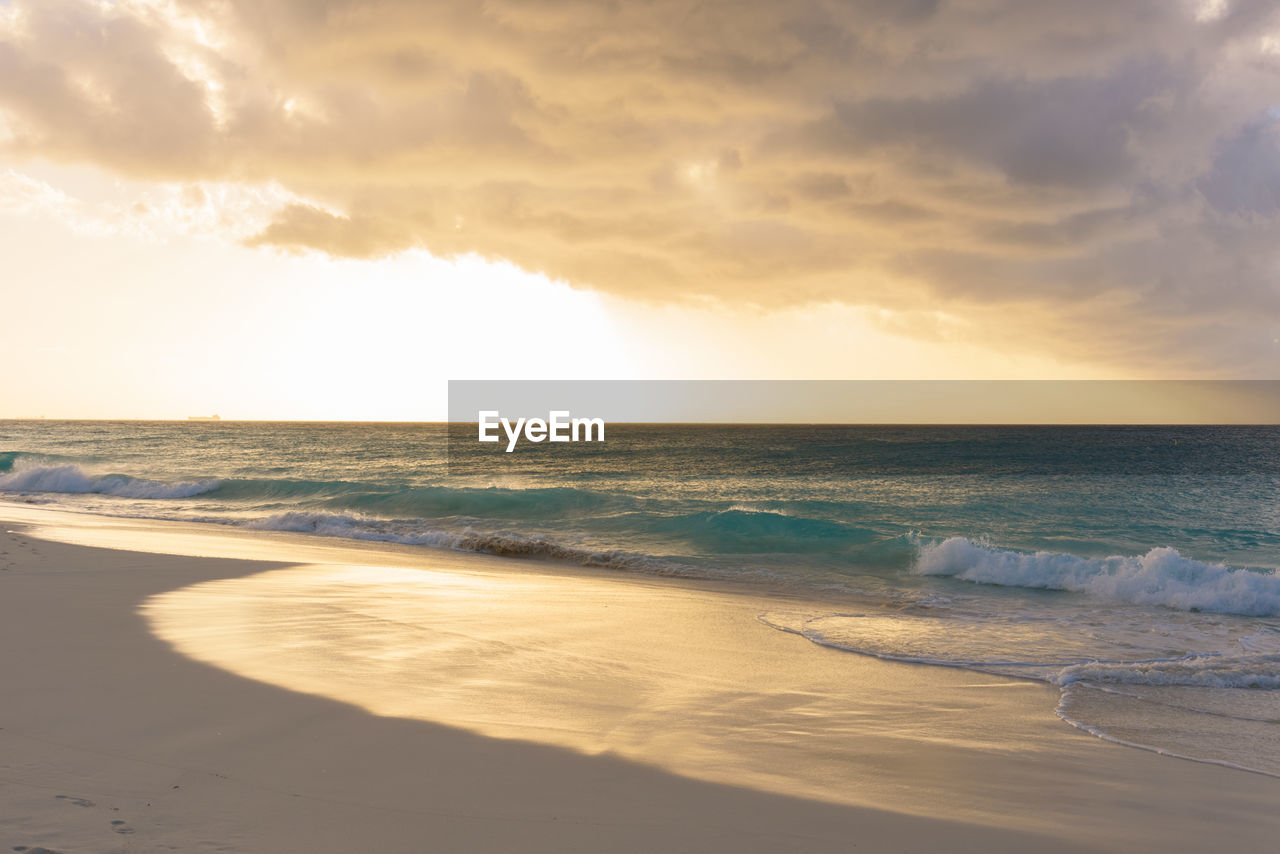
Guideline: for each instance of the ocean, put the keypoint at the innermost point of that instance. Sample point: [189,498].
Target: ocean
[1135,568]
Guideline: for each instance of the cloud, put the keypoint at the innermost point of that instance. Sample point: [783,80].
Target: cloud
[1104,173]
[1245,177]
[300,225]
[1081,132]
[148,212]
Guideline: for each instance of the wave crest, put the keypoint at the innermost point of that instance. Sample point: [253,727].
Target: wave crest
[1162,576]
[72,479]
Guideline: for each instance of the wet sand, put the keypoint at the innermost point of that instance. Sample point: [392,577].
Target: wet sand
[250,739]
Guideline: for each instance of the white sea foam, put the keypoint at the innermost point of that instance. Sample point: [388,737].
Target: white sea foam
[1160,577]
[71,479]
[1260,673]
[751,508]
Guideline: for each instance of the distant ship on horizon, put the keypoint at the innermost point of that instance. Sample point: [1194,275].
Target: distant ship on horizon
[204,417]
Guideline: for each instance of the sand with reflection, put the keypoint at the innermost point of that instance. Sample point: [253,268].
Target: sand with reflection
[671,675]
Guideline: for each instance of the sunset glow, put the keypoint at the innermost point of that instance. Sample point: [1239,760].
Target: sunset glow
[922,190]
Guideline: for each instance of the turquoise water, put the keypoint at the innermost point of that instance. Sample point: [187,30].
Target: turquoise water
[1133,567]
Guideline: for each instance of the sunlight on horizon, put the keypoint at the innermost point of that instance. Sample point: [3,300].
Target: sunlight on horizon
[255,333]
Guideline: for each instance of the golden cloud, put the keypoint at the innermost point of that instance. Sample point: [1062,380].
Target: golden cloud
[1111,170]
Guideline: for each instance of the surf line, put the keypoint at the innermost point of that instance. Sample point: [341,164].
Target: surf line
[558,426]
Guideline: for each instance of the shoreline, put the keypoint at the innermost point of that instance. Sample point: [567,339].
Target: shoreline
[190,755]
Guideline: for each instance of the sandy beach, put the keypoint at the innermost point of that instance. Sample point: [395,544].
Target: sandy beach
[679,426]
[115,738]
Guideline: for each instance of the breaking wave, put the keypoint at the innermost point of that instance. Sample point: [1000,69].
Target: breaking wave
[74,480]
[1162,576]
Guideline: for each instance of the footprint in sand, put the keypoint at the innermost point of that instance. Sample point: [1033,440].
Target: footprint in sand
[120,827]
[80,802]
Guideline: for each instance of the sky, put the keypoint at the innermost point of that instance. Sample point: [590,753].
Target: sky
[326,210]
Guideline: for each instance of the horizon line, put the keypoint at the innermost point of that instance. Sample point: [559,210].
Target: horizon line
[776,423]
